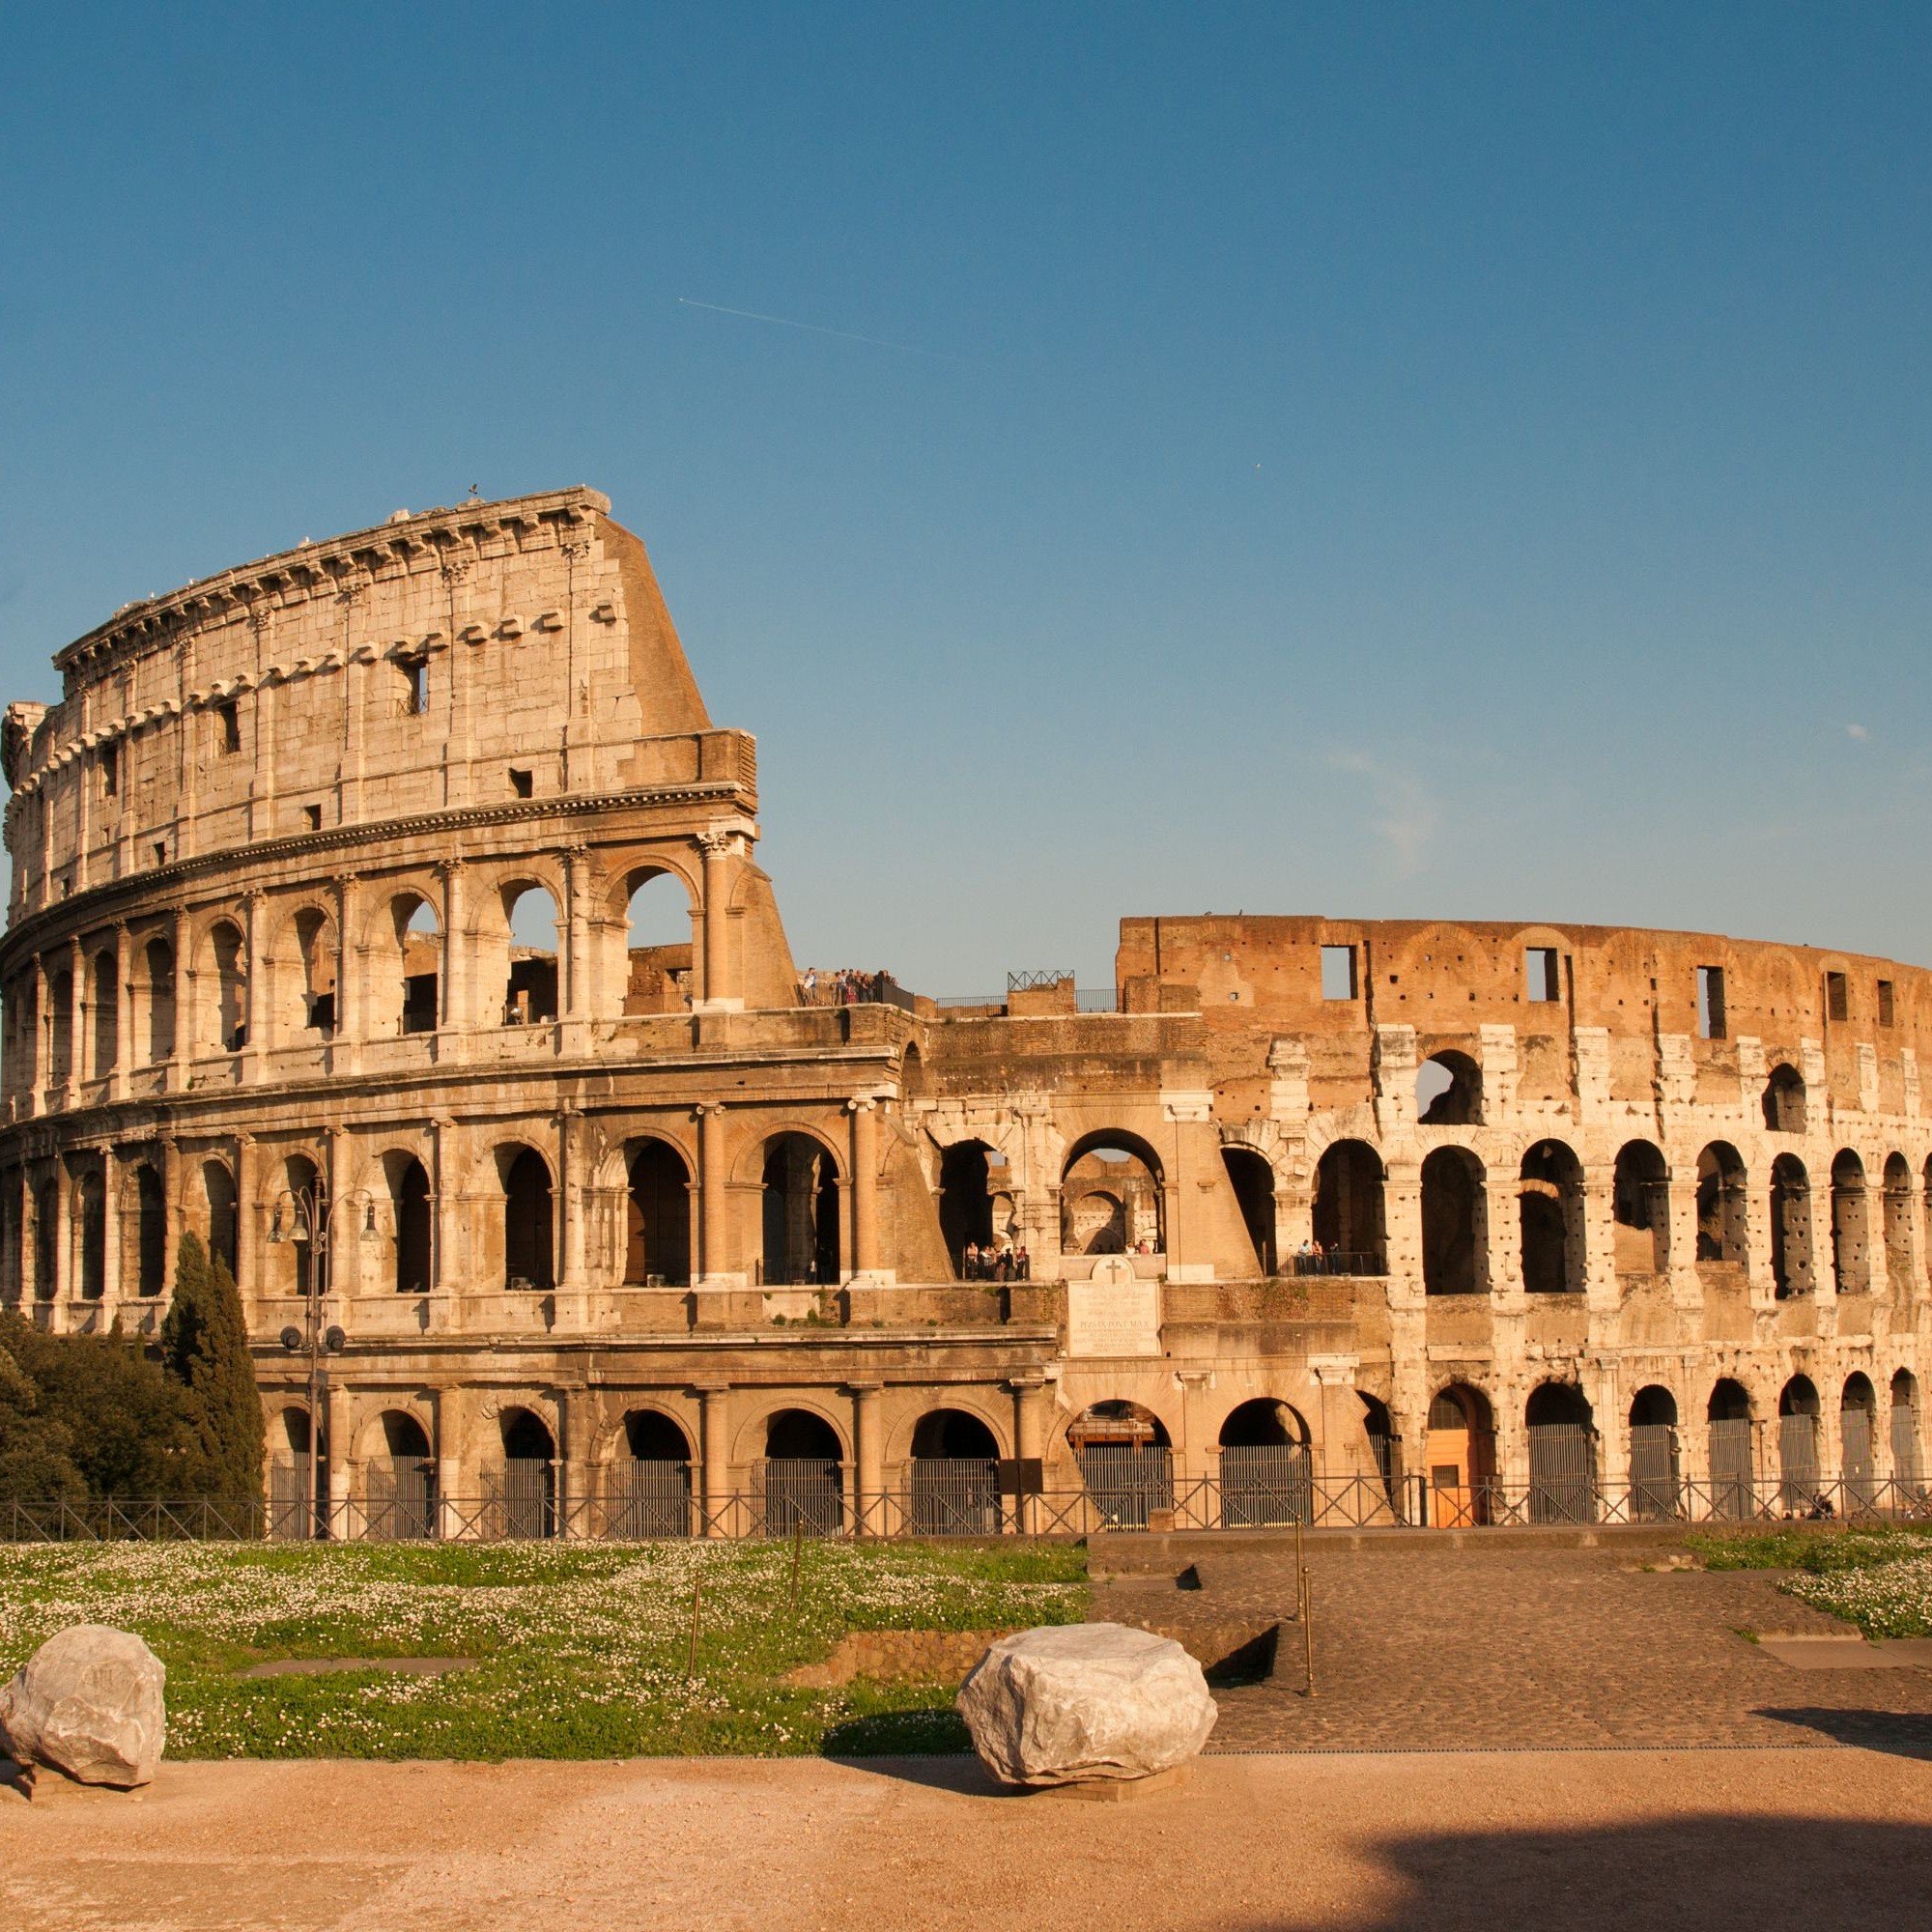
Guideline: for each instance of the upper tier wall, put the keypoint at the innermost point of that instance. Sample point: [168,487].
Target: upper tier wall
[457,658]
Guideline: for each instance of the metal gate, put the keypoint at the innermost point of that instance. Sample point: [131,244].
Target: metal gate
[522,1498]
[1267,1483]
[402,1501]
[1797,1463]
[649,1499]
[952,1495]
[1655,1492]
[1733,1469]
[292,1500]
[1905,1462]
[1855,1435]
[800,1494]
[1127,1480]
[1562,1473]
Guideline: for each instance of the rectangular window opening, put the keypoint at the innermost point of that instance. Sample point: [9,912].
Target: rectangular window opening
[1338,972]
[1710,1002]
[415,686]
[1884,1007]
[312,817]
[1540,963]
[1838,997]
[110,770]
[161,852]
[228,727]
[520,783]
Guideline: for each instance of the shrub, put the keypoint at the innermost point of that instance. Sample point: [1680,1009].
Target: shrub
[205,1349]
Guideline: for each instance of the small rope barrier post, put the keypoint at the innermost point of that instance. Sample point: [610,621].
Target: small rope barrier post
[697,1600]
[1305,1610]
[797,1557]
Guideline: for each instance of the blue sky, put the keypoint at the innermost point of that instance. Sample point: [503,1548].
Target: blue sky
[1378,461]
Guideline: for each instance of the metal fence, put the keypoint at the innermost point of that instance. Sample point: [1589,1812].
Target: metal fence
[964,1500]
[1265,1484]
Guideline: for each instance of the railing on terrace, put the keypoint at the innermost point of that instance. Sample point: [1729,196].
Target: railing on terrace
[1337,1262]
[952,1499]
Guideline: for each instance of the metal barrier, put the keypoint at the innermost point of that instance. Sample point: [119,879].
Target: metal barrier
[945,1498]
[1338,1261]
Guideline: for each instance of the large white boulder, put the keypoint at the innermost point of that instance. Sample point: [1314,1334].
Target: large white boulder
[1080,1701]
[89,1702]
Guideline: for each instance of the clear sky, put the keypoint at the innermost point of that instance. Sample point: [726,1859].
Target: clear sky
[1366,460]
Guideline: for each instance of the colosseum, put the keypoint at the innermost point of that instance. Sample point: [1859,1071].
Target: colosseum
[388,913]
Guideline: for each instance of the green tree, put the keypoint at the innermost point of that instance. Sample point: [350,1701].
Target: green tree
[34,1465]
[205,1349]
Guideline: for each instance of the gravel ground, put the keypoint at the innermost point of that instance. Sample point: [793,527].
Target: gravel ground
[1813,1838]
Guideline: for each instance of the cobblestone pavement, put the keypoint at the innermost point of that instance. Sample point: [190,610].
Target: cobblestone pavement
[1436,1643]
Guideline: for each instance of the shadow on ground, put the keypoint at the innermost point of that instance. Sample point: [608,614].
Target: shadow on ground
[1902,1733]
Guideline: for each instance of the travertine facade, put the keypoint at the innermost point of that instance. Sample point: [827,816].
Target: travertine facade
[601,1204]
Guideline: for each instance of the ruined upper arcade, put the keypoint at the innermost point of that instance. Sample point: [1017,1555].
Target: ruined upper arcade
[1400,1198]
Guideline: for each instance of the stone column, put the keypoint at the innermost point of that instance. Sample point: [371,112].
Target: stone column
[347,975]
[336,1408]
[1402,1220]
[1599,1237]
[576,1005]
[864,1190]
[171,1211]
[123,1014]
[457,1005]
[574,1198]
[62,1242]
[719,851]
[76,1018]
[347,1217]
[110,1245]
[181,1046]
[869,1457]
[258,1016]
[444,1205]
[715,1452]
[712,1197]
[247,1274]
[1029,1398]
[448,1450]
[575,1504]
[38,1062]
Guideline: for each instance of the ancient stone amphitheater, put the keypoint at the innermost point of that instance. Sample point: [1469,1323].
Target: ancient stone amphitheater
[331,938]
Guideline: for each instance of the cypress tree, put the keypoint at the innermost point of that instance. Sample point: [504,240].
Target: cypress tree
[205,1349]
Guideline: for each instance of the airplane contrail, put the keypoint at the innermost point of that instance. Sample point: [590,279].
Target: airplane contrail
[813,329]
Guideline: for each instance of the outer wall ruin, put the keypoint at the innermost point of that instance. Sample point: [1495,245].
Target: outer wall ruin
[591,1203]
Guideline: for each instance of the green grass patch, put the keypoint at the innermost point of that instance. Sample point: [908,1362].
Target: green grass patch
[1878,1580]
[583,1649]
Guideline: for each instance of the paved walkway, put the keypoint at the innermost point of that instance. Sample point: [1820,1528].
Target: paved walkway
[1810,1840]
[1425,1644]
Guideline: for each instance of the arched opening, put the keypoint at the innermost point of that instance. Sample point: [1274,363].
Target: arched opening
[60,1034]
[651,1479]
[1858,1440]
[227,1029]
[1551,1203]
[1790,1227]
[1723,1204]
[802,1481]
[1640,1203]
[1851,1225]
[1562,1455]
[1798,1414]
[1656,1488]
[419,954]
[1253,1181]
[657,1216]
[1907,1463]
[1460,1454]
[1733,1451]
[1126,1463]
[306,1000]
[1784,1100]
[530,1241]
[1350,1233]
[159,995]
[912,1073]
[90,1209]
[217,1191]
[46,1240]
[1384,1449]
[1266,1472]
[151,1232]
[1898,1225]
[410,1212]
[526,1499]
[1449,1091]
[294,1483]
[106,991]
[1455,1232]
[966,1204]
[658,920]
[401,1482]
[801,1212]
[1110,1197]
[531,990]
[953,1475]
[302,1211]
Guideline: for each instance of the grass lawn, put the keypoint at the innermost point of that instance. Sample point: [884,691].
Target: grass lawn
[583,1648]
[1880,1579]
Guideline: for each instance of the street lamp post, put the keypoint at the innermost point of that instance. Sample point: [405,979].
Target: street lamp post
[306,1217]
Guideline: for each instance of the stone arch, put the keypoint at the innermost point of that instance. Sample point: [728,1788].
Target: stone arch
[647,1474]
[1454,1223]
[1906,1456]
[524,1504]
[657,1211]
[754,1436]
[1459,1456]
[518,963]
[1449,1089]
[297,1197]
[398,1428]
[1858,1439]
[222,990]
[156,1000]
[60,1028]
[1349,1207]
[1126,1459]
[1561,1434]
[1550,1206]
[1641,1208]
[1898,1223]
[1263,1422]
[1784,1102]
[529,1186]
[1723,1205]
[1851,1225]
[104,991]
[657,910]
[303,958]
[903,1443]
[1126,1169]
[1656,1477]
[800,1485]
[411,1222]
[218,1201]
[144,1243]
[1790,1227]
[966,1199]
[89,1208]
[800,1211]
[1799,1412]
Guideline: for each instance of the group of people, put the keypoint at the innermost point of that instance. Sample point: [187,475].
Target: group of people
[989,1263]
[845,987]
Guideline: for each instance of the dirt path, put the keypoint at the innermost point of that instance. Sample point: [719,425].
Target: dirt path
[1817,1839]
